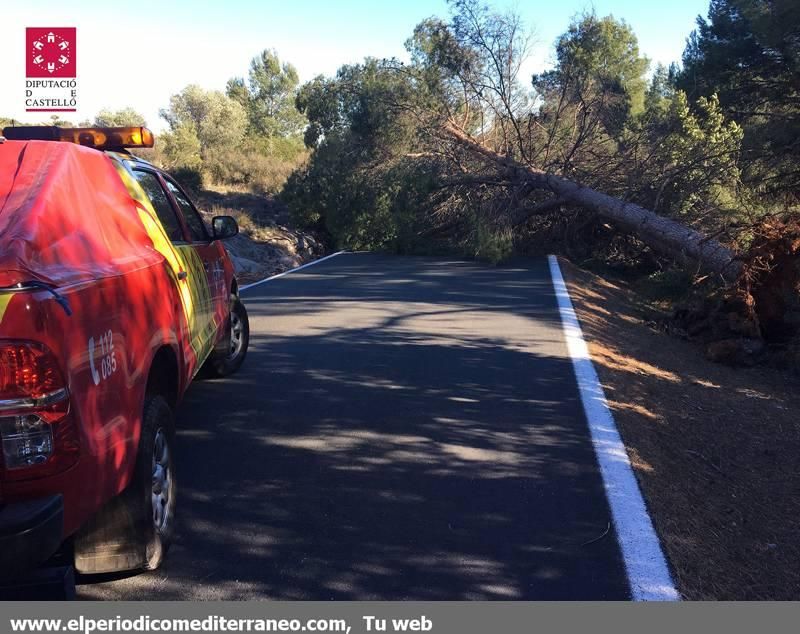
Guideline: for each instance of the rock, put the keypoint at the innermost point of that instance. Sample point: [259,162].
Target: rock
[792,319]
[753,347]
[744,352]
[742,326]
[698,327]
[243,265]
[289,261]
[691,320]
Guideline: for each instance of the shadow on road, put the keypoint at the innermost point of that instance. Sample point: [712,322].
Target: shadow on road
[402,429]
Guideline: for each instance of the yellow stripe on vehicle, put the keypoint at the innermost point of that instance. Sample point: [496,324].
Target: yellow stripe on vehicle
[5,298]
[200,294]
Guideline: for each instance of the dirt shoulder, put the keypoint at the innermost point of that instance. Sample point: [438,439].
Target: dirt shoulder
[716,449]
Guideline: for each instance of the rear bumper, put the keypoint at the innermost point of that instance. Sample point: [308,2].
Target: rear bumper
[30,533]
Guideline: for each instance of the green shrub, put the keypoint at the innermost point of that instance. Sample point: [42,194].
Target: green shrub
[491,243]
[190,178]
[372,208]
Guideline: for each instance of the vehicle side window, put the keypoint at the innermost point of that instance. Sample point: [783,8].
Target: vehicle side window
[193,220]
[158,198]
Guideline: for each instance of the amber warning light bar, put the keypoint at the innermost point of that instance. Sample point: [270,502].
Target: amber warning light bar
[98,138]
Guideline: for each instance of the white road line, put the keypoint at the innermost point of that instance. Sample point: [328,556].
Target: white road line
[275,277]
[648,574]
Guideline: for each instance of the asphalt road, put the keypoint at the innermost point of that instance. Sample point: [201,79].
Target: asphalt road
[403,428]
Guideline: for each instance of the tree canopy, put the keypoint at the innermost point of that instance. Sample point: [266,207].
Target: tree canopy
[604,51]
[748,53]
[249,135]
[268,96]
[122,117]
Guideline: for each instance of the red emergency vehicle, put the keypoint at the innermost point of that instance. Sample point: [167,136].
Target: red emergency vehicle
[113,295]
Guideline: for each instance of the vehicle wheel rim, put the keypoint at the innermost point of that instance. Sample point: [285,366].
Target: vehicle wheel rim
[237,335]
[162,481]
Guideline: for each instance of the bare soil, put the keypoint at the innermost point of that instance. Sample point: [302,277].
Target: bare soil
[716,449]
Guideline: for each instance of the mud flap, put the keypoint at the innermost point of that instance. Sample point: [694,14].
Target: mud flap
[111,541]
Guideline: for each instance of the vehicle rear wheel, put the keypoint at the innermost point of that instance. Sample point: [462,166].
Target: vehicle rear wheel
[154,488]
[229,354]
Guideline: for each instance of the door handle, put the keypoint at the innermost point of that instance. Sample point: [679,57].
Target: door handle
[182,275]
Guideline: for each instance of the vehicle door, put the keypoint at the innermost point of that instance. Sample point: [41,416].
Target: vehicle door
[184,264]
[210,255]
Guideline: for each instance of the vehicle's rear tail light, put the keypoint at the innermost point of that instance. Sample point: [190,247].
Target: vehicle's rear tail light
[27,441]
[37,433]
[28,371]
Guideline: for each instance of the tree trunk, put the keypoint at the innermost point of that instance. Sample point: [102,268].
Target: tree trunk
[662,234]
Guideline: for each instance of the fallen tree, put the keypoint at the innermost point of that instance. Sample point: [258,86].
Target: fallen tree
[761,299]
[662,234]
[463,109]
[460,149]
[575,135]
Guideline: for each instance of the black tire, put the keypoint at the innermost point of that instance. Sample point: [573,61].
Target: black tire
[158,428]
[227,357]
[124,535]
[158,440]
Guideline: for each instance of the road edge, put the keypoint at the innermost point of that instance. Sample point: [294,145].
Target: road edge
[297,268]
[648,573]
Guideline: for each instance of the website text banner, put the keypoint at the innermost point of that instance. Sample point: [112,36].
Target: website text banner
[368,617]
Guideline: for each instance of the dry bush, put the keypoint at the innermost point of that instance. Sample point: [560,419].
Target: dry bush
[259,173]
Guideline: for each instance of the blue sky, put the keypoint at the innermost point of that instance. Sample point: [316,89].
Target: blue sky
[138,53]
